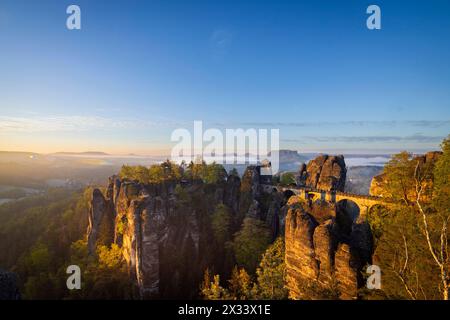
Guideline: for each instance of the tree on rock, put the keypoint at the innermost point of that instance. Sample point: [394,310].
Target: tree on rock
[250,243]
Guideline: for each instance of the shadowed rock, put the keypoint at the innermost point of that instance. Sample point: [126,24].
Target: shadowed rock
[8,286]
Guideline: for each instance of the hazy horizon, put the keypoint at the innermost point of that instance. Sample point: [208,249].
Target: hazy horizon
[353,152]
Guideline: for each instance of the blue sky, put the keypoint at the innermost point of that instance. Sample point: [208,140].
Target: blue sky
[139,69]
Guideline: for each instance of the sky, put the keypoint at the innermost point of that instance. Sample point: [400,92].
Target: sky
[137,70]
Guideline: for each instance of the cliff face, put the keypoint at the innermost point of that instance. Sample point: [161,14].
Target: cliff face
[166,241]
[325,250]
[160,229]
[324,172]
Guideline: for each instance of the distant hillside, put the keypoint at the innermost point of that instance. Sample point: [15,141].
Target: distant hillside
[86,153]
[360,177]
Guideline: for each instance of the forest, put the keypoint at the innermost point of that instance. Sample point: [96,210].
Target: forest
[41,235]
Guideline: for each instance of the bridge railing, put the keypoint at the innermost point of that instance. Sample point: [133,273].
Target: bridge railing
[339,193]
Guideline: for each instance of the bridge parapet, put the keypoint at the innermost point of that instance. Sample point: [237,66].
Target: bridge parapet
[362,201]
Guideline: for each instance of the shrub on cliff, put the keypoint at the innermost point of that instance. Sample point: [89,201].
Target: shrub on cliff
[154,174]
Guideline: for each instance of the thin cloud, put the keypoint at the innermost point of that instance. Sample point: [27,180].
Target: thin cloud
[421,123]
[68,123]
[417,138]
[221,38]
[220,41]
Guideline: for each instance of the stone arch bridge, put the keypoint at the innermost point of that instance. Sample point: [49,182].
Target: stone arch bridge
[364,202]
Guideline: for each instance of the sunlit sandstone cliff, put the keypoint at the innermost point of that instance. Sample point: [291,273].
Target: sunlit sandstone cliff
[165,242]
[326,244]
[162,235]
[324,172]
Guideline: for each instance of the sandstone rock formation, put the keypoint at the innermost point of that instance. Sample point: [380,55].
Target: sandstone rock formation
[324,172]
[161,229]
[97,209]
[377,186]
[156,228]
[8,286]
[301,263]
[323,256]
[232,192]
[347,271]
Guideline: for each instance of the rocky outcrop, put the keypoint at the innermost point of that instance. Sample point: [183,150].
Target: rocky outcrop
[425,162]
[232,193]
[301,263]
[160,230]
[347,270]
[8,286]
[324,256]
[324,250]
[324,172]
[377,186]
[97,209]
[167,245]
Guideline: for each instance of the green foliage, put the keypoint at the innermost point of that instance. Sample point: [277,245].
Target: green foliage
[250,242]
[441,197]
[221,222]
[246,182]
[377,218]
[246,197]
[39,258]
[402,251]
[240,285]
[402,255]
[110,257]
[40,237]
[182,195]
[54,219]
[403,173]
[154,174]
[271,273]
[287,179]
[215,173]
[104,276]
[171,171]
[312,290]
[209,173]
[269,285]
[212,290]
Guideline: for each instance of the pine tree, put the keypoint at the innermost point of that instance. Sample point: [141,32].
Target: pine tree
[271,273]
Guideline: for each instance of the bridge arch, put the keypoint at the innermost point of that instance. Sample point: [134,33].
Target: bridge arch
[287,194]
[358,205]
[347,213]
